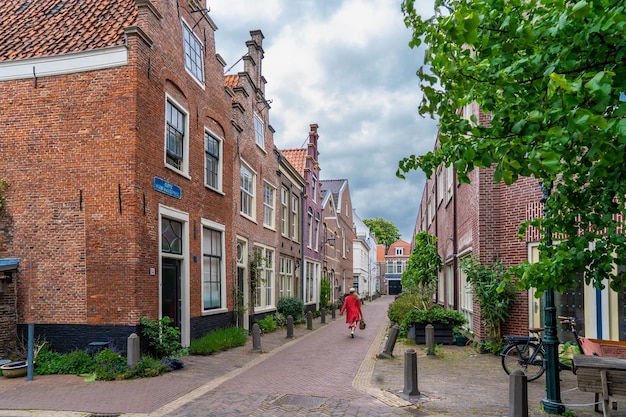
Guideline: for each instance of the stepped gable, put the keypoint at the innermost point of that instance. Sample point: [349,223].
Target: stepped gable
[37,28]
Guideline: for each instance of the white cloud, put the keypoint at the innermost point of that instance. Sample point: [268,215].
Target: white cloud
[345,65]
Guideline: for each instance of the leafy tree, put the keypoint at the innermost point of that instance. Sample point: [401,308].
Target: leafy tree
[420,275]
[386,232]
[549,76]
[3,185]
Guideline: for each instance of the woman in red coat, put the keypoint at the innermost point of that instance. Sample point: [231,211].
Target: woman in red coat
[352,306]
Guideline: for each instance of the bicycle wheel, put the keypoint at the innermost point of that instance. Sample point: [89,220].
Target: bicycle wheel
[518,357]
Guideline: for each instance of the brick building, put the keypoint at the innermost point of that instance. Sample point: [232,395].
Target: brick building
[339,227]
[305,161]
[482,219]
[118,149]
[396,261]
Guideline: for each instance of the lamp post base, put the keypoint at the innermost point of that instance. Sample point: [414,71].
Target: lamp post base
[552,407]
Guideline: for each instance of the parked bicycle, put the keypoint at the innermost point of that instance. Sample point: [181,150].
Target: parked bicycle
[527,352]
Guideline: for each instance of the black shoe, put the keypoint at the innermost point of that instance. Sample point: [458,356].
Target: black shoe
[352,335]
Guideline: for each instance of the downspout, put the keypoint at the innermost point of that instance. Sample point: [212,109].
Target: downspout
[455,245]
[302,265]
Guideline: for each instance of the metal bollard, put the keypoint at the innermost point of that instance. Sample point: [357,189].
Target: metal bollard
[323,315]
[518,394]
[133,351]
[309,320]
[289,327]
[429,333]
[256,338]
[332,311]
[387,352]
[410,374]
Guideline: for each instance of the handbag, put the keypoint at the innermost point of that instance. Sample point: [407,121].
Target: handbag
[361,324]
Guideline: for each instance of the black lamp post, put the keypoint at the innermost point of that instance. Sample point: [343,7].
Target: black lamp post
[552,403]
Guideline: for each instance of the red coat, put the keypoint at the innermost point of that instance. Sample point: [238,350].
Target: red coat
[352,306]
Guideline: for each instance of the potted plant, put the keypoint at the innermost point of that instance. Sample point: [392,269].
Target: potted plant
[461,335]
[443,321]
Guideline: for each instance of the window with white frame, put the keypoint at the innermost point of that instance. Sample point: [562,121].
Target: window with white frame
[213,266]
[314,188]
[259,129]
[390,267]
[212,162]
[176,142]
[269,198]
[440,184]
[309,220]
[194,63]
[295,216]
[311,279]
[399,251]
[317,231]
[449,182]
[286,277]
[284,212]
[247,191]
[264,297]
[467,296]
[398,267]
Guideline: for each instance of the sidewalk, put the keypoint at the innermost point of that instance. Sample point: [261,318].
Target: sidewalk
[323,371]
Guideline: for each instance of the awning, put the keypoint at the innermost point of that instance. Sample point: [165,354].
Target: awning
[8,264]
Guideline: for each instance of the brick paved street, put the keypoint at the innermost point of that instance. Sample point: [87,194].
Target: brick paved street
[322,372]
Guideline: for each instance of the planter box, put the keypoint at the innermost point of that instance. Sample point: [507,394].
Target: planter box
[14,369]
[443,333]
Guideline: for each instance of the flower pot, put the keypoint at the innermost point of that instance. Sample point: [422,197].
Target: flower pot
[460,340]
[14,369]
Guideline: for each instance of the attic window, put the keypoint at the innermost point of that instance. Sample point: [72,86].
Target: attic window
[23,6]
[56,8]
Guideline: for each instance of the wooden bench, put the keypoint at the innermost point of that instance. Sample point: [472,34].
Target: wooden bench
[605,376]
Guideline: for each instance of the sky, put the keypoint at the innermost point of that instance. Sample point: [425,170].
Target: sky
[346,66]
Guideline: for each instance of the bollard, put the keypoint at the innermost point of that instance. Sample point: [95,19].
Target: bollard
[256,338]
[323,316]
[387,352]
[332,311]
[309,320]
[518,394]
[429,333]
[30,353]
[410,374]
[133,352]
[289,327]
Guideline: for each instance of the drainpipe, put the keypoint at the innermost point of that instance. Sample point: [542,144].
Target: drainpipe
[302,264]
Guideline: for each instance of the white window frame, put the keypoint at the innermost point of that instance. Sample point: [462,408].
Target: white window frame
[193,51]
[287,278]
[309,219]
[317,232]
[183,169]
[247,192]
[449,183]
[439,179]
[210,157]
[284,212]
[269,205]
[399,251]
[208,225]
[295,217]
[314,188]
[259,131]
[264,297]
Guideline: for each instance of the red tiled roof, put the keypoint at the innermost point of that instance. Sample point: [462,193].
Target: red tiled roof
[231,81]
[35,28]
[296,157]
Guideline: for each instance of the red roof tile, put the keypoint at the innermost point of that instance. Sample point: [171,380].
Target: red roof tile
[296,157]
[35,28]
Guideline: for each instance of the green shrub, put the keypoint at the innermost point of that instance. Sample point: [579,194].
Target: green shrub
[218,340]
[76,362]
[291,306]
[432,315]
[267,324]
[111,366]
[163,338]
[281,319]
[401,306]
[325,290]
[148,366]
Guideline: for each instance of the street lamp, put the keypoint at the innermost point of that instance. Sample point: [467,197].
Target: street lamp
[552,403]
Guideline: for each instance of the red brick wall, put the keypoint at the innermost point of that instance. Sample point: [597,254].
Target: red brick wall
[80,154]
